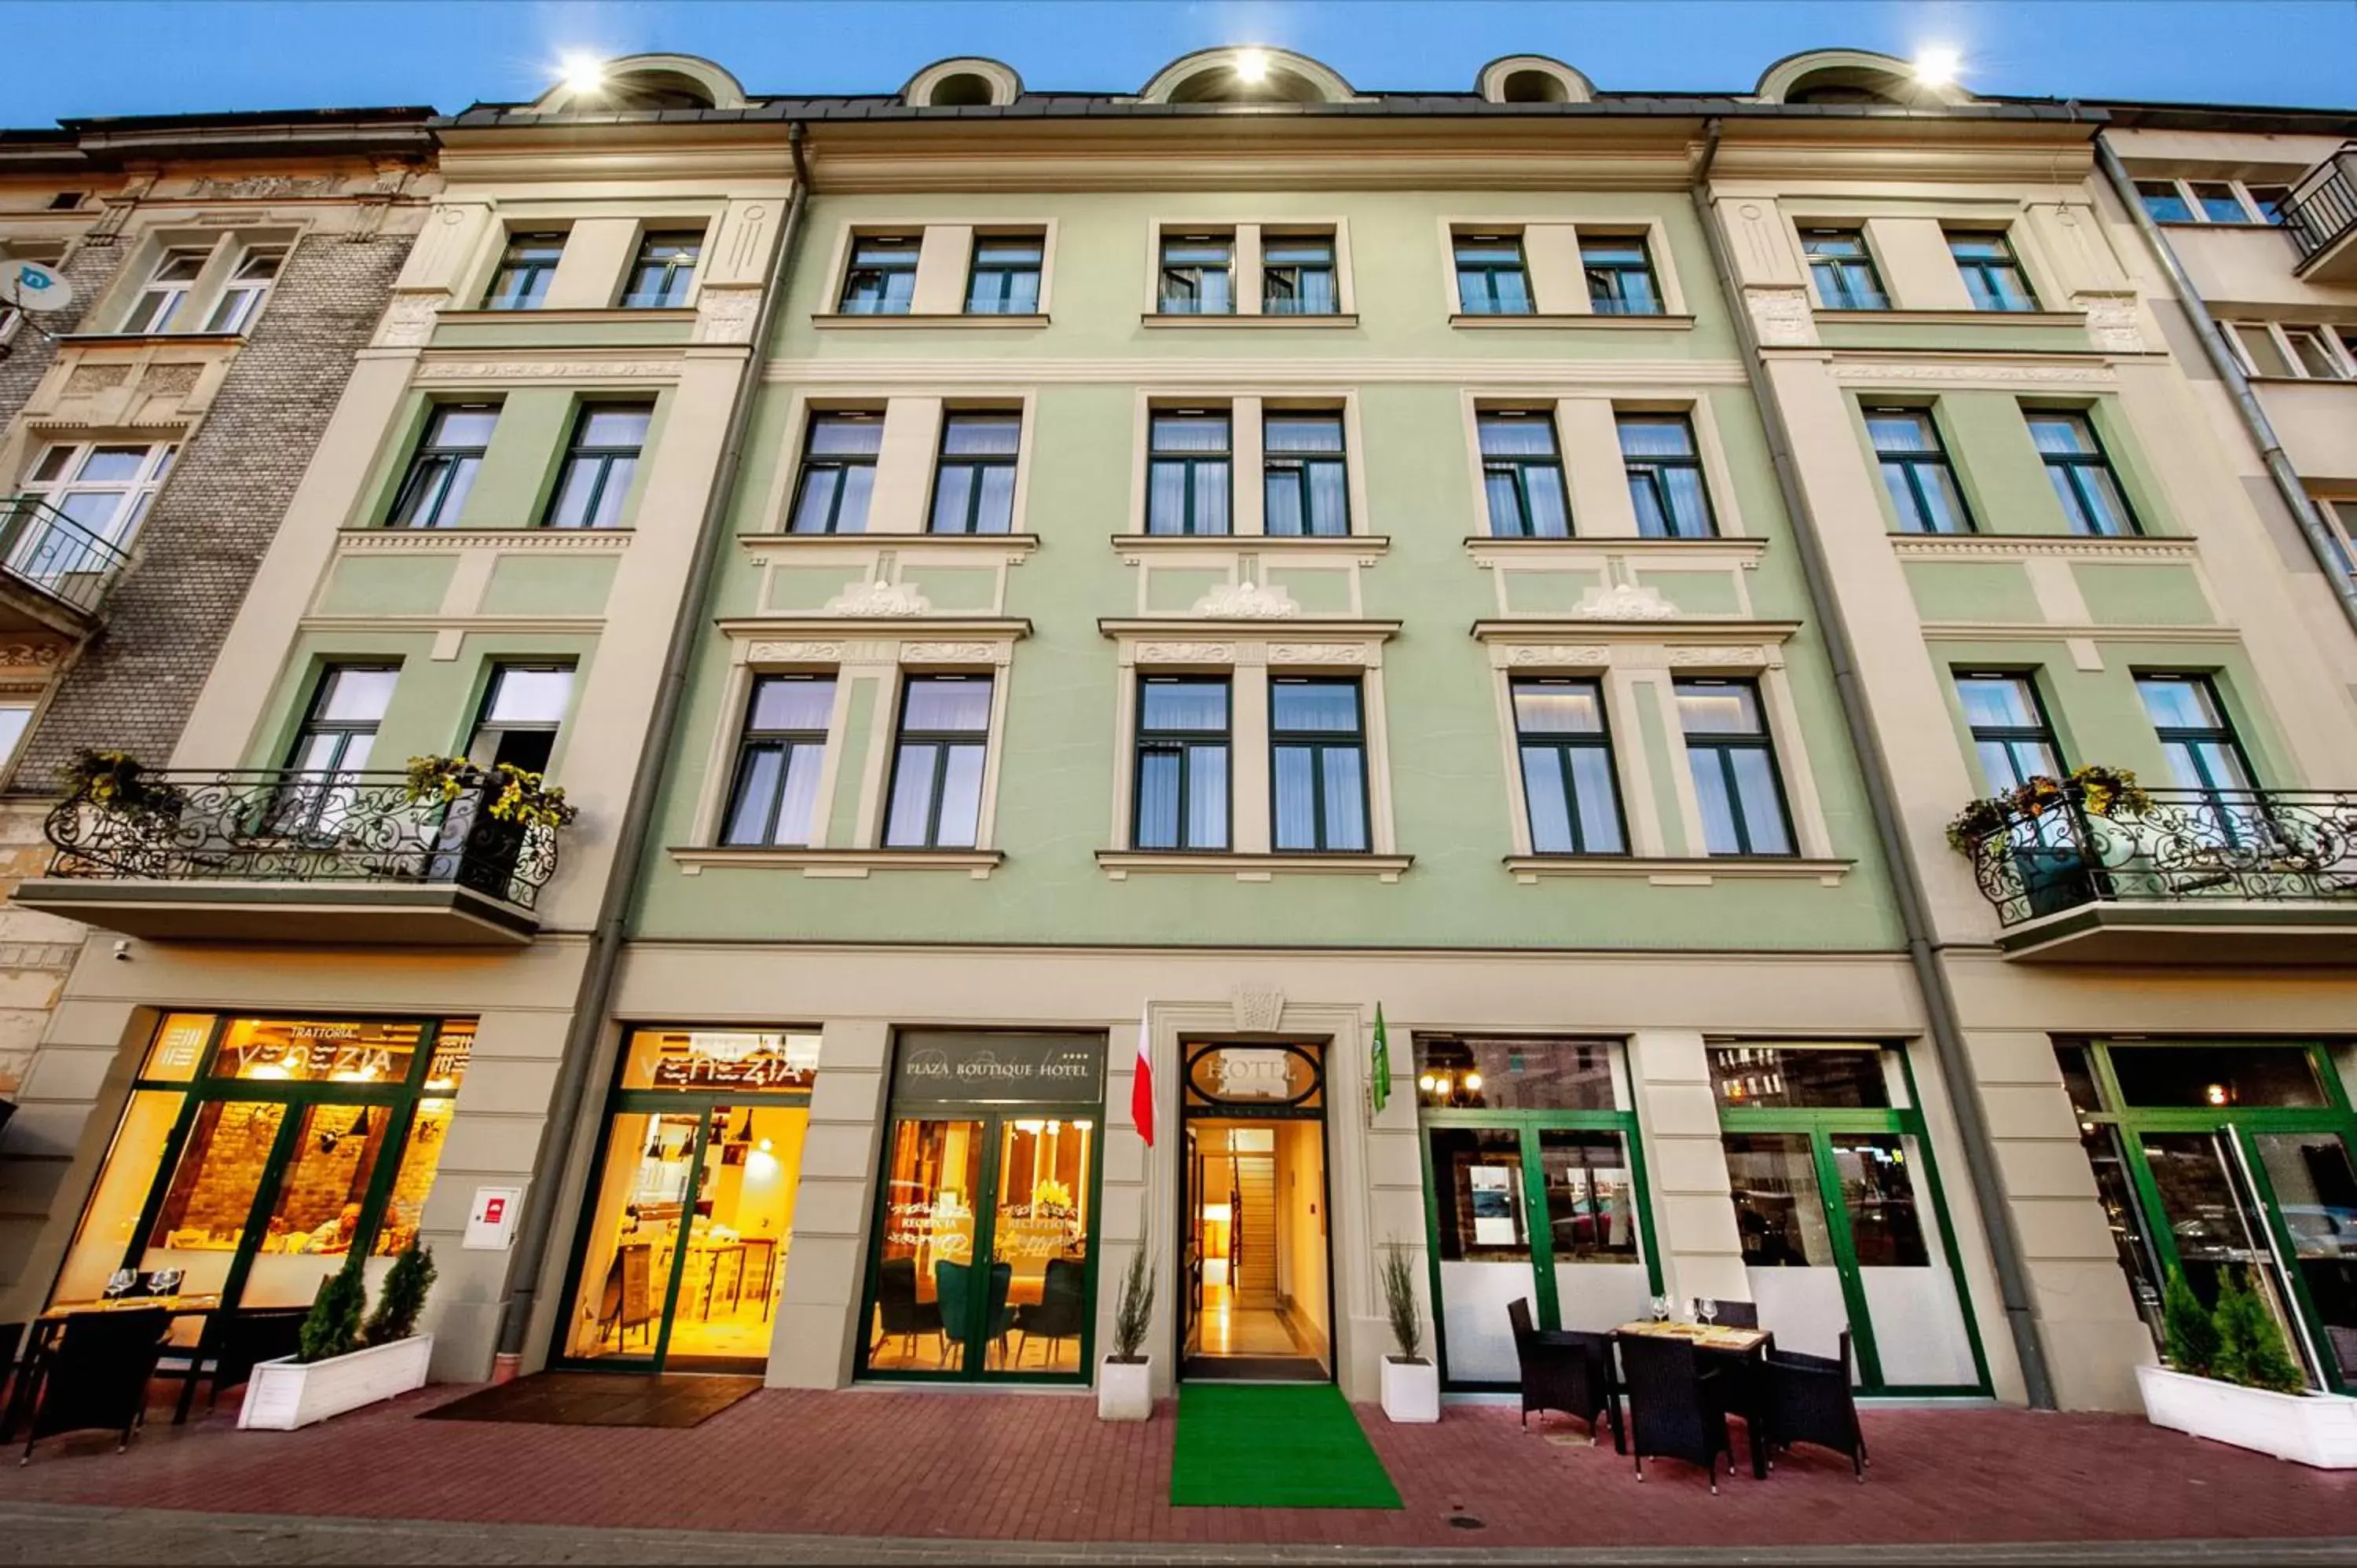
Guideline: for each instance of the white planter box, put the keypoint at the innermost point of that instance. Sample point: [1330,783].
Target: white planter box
[1125,1389]
[2308,1429]
[285,1394]
[1411,1391]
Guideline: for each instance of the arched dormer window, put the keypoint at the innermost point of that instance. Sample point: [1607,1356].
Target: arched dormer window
[1853,76]
[641,82]
[968,81]
[1247,74]
[1532,79]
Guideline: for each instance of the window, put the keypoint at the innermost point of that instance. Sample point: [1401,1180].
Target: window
[883,276]
[1006,280]
[526,269]
[1196,275]
[2010,735]
[159,304]
[2318,353]
[1523,474]
[1566,756]
[1666,477]
[340,730]
[2213,201]
[664,270]
[1490,278]
[1620,275]
[1306,489]
[2341,516]
[838,473]
[2194,731]
[523,707]
[975,490]
[2270,200]
[16,718]
[1734,767]
[1188,473]
[103,490]
[1844,270]
[1297,274]
[937,769]
[599,465]
[2163,201]
[2282,349]
[442,471]
[1318,746]
[1183,747]
[2080,474]
[247,288]
[1992,274]
[1915,471]
[2219,204]
[774,797]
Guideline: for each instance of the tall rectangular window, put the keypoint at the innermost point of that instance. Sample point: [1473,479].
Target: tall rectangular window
[838,474]
[2219,204]
[664,270]
[973,490]
[1992,274]
[1620,275]
[1188,472]
[247,288]
[1665,482]
[1843,269]
[1318,745]
[882,279]
[1005,276]
[523,707]
[1491,277]
[1733,763]
[773,797]
[1568,776]
[1307,487]
[2195,733]
[442,471]
[1297,274]
[1183,747]
[2080,474]
[159,304]
[103,490]
[1197,274]
[1522,473]
[2163,201]
[938,763]
[2010,735]
[340,728]
[1915,471]
[599,465]
[526,268]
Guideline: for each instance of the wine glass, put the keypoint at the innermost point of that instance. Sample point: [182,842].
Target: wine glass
[1661,1308]
[1705,1308]
[120,1281]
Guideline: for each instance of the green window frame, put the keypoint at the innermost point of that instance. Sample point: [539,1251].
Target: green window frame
[1297,274]
[1317,771]
[1916,472]
[1993,275]
[1190,466]
[526,268]
[1005,277]
[600,462]
[882,277]
[2012,736]
[973,477]
[1521,475]
[1197,275]
[1491,279]
[664,270]
[2081,472]
[1843,269]
[1305,474]
[1620,272]
[940,753]
[442,469]
[2205,754]
[838,473]
[779,757]
[1736,775]
[1184,782]
[1571,794]
[1666,482]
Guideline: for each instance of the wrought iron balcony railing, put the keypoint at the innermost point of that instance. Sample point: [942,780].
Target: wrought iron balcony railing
[2323,206]
[283,826]
[2263,845]
[43,547]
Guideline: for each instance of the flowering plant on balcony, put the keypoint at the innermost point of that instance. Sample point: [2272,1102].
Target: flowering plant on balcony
[2098,790]
[517,795]
[116,781]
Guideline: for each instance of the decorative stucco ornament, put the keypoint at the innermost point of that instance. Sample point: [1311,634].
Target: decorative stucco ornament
[1259,1008]
[1625,601]
[1247,600]
[878,599]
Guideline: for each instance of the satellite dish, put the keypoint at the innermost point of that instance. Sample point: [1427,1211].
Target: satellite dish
[32,286]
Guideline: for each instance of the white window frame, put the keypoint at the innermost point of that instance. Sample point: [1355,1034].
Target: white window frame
[2329,334]
[241,299]
[2253,212]
[160,301]
[138,493]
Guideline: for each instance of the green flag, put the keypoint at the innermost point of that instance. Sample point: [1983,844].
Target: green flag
[1383,1068]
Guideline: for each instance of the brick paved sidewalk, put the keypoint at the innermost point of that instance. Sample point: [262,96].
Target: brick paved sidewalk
[1031,1469]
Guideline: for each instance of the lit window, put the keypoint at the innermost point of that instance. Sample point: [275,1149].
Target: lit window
[1733,764]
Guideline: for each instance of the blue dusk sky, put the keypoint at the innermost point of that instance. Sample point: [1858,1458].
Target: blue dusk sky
[186,57]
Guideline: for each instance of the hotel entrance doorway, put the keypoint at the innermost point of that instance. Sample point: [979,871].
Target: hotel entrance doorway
[1258,1300]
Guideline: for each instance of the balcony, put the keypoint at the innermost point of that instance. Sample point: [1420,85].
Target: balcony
[2263,878]
[287,857]
[2321,216]
[54,573]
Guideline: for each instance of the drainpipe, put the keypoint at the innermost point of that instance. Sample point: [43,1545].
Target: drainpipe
[1882,794]
[622,882]
[2320,541]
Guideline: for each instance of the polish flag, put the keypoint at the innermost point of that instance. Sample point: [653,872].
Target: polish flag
[1141,1088]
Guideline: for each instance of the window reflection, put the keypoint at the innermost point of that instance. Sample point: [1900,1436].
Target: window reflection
[1780,1212]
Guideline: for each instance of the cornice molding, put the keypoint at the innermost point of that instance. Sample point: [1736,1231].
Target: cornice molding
[1120,865]
[1012,547]
[1744,550]
[2051,631]
[1681,631]
[977,864]
[588,541]
[1577,321]
[481,366]
[1695,872]
[1234,377]
[2073,547]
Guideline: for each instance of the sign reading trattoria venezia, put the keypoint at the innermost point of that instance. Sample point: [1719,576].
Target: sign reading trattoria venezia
[969,1067]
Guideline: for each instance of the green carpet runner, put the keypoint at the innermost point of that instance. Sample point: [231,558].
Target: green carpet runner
[1277,1446]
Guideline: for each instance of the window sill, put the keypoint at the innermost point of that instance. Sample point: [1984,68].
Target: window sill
[1955,317]
[2302,380]
[1232,319]
[977,864]
[1680,872]
[1120,865]
[572,315]
[1746,546]
[831,319]
[142,339]
[1014,545]
[1185,543]
[1552,632]
[1576,320]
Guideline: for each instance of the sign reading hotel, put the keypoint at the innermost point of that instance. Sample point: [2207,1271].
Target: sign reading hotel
[964,1069]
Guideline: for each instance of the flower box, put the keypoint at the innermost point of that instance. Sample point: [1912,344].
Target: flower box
[1410,1390]
[1125,1389]
[285,1394]
[2308,1429]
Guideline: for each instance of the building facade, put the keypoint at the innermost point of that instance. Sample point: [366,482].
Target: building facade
[1162,586]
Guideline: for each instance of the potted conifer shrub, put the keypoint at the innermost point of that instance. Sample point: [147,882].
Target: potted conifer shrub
[1126,1381]
[344,1364]
[2230,1378]
[1410,1380]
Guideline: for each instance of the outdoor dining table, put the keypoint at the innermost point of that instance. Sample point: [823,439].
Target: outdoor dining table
[53,1323]
[1741,1344]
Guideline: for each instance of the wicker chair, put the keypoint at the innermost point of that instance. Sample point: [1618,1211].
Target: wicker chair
[1565,1371]
[1810,1400]
[1675,1410]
